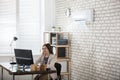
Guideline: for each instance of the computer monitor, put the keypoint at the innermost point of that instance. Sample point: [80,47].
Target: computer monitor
[23,56]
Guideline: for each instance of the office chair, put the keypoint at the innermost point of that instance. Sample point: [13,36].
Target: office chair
[58,68]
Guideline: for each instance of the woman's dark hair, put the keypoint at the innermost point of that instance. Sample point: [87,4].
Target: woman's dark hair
[49,47]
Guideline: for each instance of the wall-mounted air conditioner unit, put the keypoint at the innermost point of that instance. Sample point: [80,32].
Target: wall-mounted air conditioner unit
[83,15]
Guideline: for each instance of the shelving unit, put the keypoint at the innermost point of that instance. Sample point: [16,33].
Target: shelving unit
[60,42]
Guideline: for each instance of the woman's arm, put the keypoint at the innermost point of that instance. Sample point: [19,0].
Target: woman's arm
[51,62]
[39,60]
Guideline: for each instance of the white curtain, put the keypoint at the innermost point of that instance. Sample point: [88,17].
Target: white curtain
[28,29]
[20,18]
[7,24]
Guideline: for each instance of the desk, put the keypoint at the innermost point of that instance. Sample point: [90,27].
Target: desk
[12,70]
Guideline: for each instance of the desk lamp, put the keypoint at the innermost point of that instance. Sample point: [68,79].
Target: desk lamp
[14,39]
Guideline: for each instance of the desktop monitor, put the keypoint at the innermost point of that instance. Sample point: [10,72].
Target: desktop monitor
[23,56]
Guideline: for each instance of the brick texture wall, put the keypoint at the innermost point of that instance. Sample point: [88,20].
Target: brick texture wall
[95,47]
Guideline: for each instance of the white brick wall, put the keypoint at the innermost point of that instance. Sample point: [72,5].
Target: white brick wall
[95,48]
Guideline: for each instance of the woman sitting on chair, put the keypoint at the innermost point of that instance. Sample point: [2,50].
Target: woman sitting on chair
[47,58]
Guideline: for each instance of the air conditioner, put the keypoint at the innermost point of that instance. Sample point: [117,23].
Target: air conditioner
[83,15]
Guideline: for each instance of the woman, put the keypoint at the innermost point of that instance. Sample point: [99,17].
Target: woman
[49,59]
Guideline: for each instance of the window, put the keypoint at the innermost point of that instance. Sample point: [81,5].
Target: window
[7,24]
[20,18]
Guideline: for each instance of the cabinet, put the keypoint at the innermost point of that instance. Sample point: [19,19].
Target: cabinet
[60,42]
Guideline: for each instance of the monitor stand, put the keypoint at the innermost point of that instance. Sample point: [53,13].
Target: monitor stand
[23,67]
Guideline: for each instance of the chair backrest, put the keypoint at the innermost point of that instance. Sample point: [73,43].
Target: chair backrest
[58,68]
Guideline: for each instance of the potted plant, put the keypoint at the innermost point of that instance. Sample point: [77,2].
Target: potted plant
[53,28]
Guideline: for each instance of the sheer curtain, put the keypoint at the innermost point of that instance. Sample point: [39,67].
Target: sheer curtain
[7,24]
[28,29]
[20,18]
